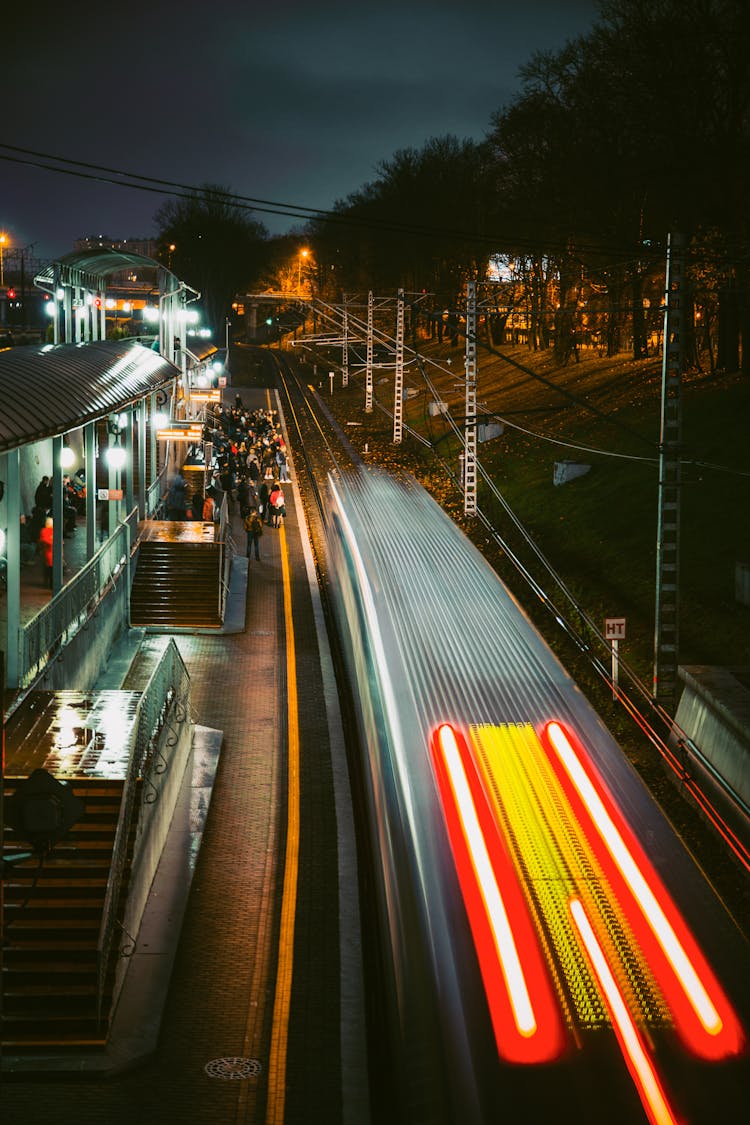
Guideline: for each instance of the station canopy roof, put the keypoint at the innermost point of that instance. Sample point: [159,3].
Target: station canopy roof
[46,392]
[88,267]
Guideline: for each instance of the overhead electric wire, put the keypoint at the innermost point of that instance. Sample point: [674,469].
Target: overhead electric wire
[90,171]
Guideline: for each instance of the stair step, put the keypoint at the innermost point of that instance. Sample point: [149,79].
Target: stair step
[13,1041]
[23,925]
[49,974]
[82,988]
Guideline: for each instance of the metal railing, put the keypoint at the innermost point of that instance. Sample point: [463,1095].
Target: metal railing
[59,621]
[165,699]
[155,496]
[227,550]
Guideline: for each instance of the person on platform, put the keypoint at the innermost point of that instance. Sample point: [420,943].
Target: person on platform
[45,544]
[177,498]
[253,525]
[276,504]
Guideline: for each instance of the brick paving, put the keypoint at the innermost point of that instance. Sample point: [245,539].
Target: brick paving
[220,1001]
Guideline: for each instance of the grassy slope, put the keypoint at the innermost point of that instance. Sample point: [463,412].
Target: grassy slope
[598,531]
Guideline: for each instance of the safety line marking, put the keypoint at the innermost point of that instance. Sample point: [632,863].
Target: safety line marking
[283,994]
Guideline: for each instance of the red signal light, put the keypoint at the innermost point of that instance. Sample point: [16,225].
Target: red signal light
[11,294]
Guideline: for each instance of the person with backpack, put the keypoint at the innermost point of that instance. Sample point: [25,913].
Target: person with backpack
[253,525]
[276,504]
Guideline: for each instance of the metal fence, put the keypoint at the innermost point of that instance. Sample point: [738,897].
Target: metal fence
[59,621]
[165,700]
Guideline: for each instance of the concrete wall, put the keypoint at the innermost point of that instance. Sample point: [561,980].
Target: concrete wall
[84,658]
[714,712]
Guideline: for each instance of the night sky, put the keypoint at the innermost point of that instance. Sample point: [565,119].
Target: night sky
[285,101]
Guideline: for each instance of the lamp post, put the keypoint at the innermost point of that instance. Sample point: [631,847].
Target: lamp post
[3,240]
[302,254]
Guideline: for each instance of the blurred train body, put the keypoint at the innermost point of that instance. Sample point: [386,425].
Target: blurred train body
[547,949]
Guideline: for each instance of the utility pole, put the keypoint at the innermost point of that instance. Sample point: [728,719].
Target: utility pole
[470,432]
[666,627]
[398,383]
[345,348]
[368,369]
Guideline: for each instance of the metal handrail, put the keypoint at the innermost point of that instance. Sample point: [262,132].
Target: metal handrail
[69,610]
[167,692]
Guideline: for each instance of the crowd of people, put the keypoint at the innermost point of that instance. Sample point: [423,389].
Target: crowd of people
[249,467]
[37,526]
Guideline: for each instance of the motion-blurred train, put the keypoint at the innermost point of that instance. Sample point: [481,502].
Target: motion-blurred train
[548,950]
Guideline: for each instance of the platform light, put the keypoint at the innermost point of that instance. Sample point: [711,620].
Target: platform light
[160,420]
[50,308]
[150,313]
[67,457]
[116,456]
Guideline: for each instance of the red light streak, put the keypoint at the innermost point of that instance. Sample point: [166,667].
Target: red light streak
[523,1008]
[703,1016]
[632,1046]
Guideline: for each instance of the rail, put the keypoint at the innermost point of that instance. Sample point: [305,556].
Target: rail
[166,698]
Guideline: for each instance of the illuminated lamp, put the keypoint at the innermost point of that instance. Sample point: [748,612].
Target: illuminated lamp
[49,308]
[116,455]
[160,420]
[67,457]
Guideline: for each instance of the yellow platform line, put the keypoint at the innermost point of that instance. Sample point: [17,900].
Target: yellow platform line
[283,995]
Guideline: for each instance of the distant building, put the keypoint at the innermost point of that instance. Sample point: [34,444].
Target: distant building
[145,246]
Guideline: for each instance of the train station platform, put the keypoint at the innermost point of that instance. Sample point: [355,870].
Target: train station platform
[243,1002]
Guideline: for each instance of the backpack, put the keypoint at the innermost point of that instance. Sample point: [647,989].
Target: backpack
[253,523]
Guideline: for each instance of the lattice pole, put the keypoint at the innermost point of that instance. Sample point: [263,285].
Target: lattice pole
[666,631]
[368,369]
[345,348]
[398,385]
[470,431]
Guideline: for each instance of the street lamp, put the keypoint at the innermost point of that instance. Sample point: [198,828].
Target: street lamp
[302,254]
[3,240]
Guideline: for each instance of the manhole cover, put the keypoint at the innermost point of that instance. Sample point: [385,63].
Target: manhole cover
[232,1068]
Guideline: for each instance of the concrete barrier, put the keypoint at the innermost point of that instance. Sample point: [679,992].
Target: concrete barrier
[714,714]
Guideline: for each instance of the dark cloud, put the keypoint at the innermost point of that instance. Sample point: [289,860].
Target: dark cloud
[287,101]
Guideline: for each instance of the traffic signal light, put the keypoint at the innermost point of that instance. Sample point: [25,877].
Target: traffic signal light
[11,294]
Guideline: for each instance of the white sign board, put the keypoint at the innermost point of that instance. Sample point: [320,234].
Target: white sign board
[614,628]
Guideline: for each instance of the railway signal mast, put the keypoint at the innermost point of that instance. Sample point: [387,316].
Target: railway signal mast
[368,368]
[470,430]
[666,630]
[398,385]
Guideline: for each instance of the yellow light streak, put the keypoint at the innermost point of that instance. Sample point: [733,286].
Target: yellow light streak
[505,945]
[652,911]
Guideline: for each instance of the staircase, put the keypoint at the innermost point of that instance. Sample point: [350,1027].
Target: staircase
[176,585]
[51,921]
